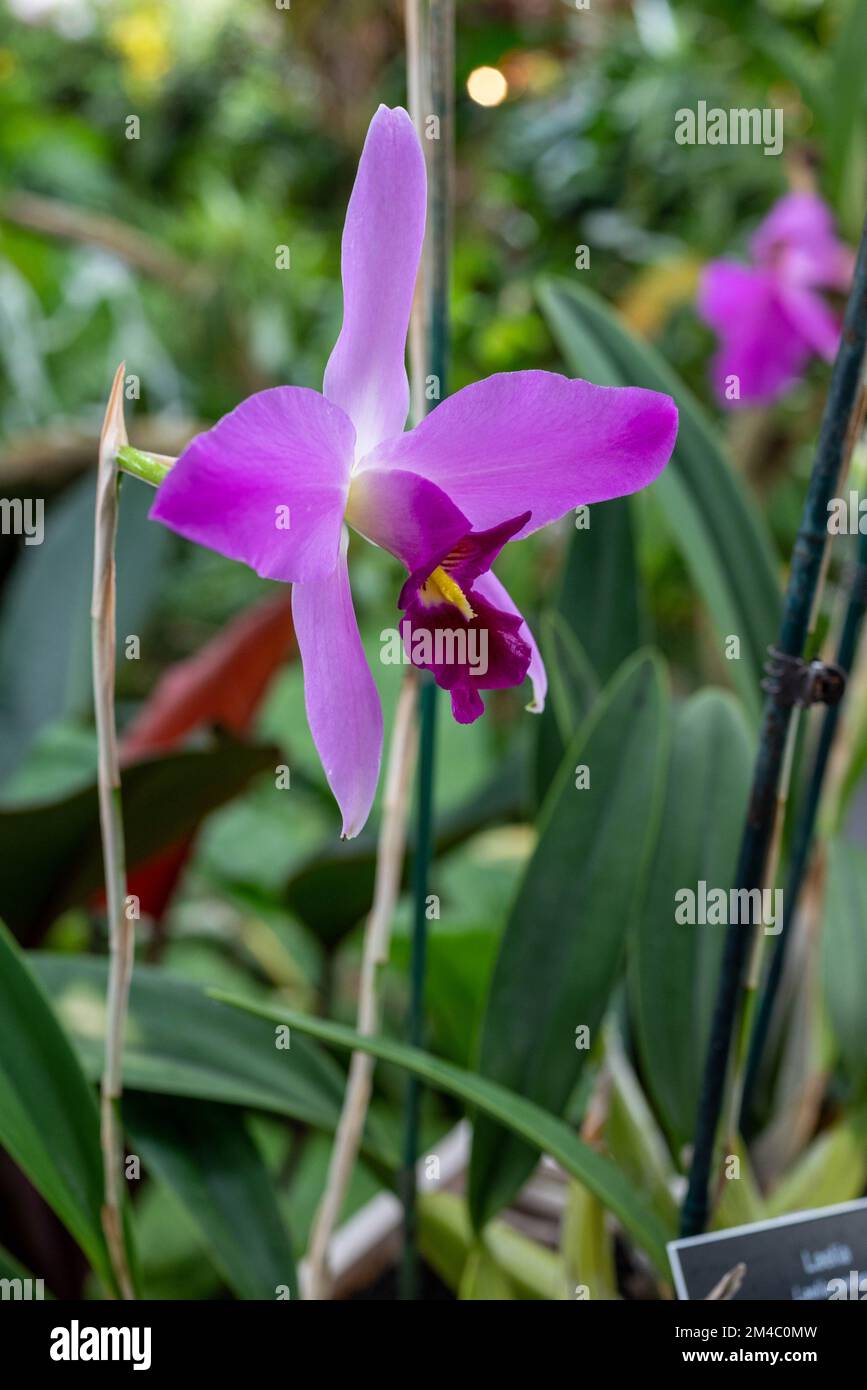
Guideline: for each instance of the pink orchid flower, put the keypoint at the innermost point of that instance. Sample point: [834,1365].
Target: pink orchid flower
[490,464]
[770,317]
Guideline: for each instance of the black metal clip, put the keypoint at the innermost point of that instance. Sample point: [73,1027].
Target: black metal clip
[793,681]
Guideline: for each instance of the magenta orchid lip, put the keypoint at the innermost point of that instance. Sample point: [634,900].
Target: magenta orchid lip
[443,497]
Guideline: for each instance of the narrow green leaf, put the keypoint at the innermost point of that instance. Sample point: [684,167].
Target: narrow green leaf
[563,945]
[48,1115]
[203,1152]
[546,1132]
[587,1246]
[674,966]
[180,1042]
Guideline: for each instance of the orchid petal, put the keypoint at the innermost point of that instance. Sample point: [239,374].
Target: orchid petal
[497,594]
[539,442]
[382,238]
[405,514]
[267,485]
[816,324]
[759,345]
[798,237]
[343,708]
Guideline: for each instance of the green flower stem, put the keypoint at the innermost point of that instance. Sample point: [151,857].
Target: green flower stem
[149,468]
[442,66]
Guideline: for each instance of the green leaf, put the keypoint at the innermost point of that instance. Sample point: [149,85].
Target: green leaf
[563,946]
[674,967]
[50,852]
[713,521]
[447,1240]
[180,1042]
[740,1201]
[483,1281]
[833,1169]
[48,1115]
[573,684]
[587,1246]
[10,1268]
[333,890]
[599,596]
[632,1136]
[845,115]
[45,632]
[546,1132]
[203,1152]
[844,954]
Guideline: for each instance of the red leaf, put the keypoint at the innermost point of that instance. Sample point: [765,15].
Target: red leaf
[223,684]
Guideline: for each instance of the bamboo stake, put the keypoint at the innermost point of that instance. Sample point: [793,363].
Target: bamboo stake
[377,936]
[120,928]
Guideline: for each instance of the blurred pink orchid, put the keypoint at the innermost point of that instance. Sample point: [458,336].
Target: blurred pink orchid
[770,316]
[491,464]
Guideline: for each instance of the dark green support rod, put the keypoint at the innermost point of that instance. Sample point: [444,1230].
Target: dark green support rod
[803,837]
[442,68]
[806,568]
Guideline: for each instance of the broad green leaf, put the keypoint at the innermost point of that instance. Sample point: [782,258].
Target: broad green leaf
[48,1115]
[572,683]
[844,954]
[674,967]
[203,1152]
[174,1263]
[599,596]
[572,688]
[544,1131]
[50,852]
[180,1042]
[563,945]
[713,521]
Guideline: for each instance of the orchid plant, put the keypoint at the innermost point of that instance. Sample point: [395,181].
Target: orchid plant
[770,316]
[278,482]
